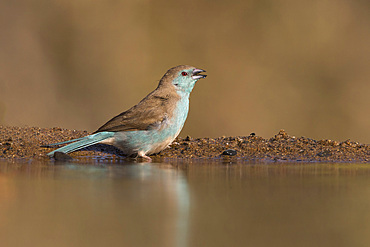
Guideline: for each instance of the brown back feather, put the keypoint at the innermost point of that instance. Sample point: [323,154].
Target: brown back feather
[152,110]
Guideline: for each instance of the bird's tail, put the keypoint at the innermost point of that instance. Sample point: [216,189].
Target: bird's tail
[80,143]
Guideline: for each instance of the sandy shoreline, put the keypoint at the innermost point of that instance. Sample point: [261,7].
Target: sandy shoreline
[24,143]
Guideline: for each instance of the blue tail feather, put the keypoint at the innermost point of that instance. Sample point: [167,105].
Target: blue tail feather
[65,142]
[83,142]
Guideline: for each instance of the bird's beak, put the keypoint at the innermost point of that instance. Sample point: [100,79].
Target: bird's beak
[196,74]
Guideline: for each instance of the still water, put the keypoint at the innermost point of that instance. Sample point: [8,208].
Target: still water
[184,205]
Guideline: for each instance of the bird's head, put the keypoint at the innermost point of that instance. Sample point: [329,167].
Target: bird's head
[182,77]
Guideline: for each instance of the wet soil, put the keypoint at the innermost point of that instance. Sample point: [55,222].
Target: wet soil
[25,143]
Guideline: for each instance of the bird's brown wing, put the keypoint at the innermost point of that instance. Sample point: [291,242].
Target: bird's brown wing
[149,113]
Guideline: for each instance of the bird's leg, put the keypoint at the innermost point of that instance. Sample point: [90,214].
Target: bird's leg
[144,157]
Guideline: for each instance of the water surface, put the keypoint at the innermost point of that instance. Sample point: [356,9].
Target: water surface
[184,205]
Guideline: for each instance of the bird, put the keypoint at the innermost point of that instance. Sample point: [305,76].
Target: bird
[150,126]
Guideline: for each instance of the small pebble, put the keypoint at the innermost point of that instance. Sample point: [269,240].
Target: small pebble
[59,156]
[188,138]
[230,152]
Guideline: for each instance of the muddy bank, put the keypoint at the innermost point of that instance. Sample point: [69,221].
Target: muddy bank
[25,143]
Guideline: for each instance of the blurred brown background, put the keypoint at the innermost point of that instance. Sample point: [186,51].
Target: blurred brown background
[302,66]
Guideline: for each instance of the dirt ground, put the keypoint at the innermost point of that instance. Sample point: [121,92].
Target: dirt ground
[25,144]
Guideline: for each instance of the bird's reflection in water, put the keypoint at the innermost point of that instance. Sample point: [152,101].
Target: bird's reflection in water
[130,204]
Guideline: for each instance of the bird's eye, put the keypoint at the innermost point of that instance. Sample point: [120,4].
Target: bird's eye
[184,73]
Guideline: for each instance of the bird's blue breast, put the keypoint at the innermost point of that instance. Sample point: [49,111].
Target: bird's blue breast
[156,139]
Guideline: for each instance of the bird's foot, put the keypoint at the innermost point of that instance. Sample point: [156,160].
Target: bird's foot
[144,157]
